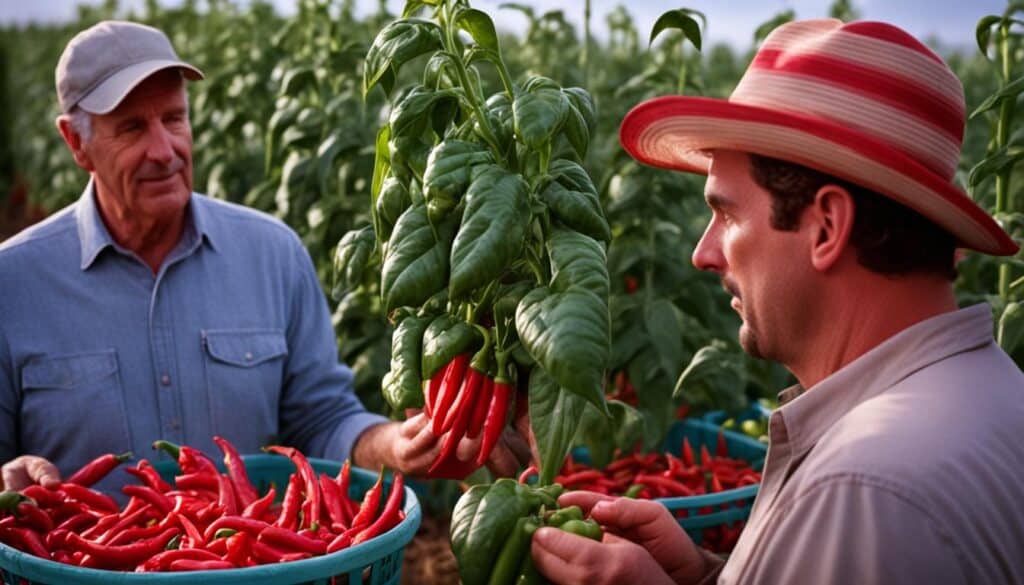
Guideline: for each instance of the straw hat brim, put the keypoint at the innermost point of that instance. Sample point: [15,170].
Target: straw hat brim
[679,132]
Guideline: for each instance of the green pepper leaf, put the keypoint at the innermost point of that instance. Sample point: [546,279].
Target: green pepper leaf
[402,385]
[665,332]
[579,210]
[567,333]
[714,366]
[539,114]
[392,201]
[576,131]
[554,417]
[499,112]
[293,192]
[681,19]
[446,337]
[462,518]
[416,263]
[350,259]
[448,174]
[479,26]
[397,43]
[1011,327]
[416,109]
[584,104]
[578,260]
[493,229]
[298,80]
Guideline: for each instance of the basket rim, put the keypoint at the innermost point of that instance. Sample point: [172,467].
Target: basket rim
[355,557]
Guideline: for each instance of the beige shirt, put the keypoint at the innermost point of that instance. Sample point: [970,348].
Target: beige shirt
[905,466]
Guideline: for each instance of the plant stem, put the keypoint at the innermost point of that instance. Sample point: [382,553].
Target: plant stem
[1006,110]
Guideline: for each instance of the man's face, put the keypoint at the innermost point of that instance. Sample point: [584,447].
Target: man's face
[141,153]
[764,269]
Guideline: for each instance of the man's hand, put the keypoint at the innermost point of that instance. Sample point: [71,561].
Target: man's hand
[642,544]
[410,447]
[21,472]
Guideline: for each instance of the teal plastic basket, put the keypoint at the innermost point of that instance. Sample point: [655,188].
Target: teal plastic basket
[727,506]
[375,562]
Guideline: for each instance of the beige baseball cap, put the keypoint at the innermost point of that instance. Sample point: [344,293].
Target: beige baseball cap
[103,64]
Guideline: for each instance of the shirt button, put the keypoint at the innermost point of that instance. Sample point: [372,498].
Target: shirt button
[248,356]
[165,380]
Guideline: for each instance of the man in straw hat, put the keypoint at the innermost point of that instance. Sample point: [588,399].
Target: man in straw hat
[147,311]
[835,221]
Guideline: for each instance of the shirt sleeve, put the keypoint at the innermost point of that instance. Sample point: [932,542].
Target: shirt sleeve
[854,530]
[8,405]
[320,412]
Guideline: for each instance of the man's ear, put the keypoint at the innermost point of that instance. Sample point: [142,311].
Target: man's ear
[74,141]
[830,218]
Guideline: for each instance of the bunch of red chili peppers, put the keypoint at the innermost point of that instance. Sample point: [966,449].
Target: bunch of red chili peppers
[462,400]
[208,520]
[664,475]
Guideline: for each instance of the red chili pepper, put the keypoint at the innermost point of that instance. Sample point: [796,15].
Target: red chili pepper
[265,553]
[310,486]
[101,526]
[480,408]
[77,522]
[688,458]
[434,389]
[239,523]
[226,495]
[89,497]
[247,494]
[239,548]
[495,424]
[332,500]
[31,516]
[55,539]
[371,501]
[24,539]
[43,496]
[579,477]
[260,506]
[705,457]
[447,463]
[196,481]
[120,556]
[463,406]
[150,496]
[98,468]
[389,517]
[162,560]
[126,519]
[292,503]
[342,541]
[343,480]
[134,534]
[721,449]
[450,387]
[276,536]
[194,536]
[148,475]
[196,565]
[670,485]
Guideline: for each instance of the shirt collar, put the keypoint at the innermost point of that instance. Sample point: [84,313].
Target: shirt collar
[808,414]
[94,236]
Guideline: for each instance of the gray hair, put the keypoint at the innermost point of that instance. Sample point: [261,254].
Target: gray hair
[81,121]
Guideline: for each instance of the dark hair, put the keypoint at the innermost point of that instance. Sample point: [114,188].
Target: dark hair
[889,238]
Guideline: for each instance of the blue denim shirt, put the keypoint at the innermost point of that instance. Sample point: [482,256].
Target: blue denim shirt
[231,337]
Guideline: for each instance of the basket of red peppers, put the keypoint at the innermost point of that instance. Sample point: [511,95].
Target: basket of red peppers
[271,518]
[705,475]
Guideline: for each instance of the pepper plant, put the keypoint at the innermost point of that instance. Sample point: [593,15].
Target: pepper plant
[488,238]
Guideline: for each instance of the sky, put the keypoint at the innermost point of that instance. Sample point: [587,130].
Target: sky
[952,22]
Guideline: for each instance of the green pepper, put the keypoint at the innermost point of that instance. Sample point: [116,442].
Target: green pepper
[528,573]
[560,517]
[586,528]
[483,518]
[506,568]
[10,499]
[402,385]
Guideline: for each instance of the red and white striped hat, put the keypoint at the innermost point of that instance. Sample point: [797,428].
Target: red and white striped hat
[865,102]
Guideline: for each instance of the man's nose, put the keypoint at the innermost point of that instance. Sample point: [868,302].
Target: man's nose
[708,253]
[158,146]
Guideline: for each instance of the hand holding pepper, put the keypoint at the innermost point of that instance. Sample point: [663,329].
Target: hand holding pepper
[23,471]
[642,543]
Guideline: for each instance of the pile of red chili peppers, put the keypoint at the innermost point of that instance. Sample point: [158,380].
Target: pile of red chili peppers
[463,401]
[207,520]
[664,475]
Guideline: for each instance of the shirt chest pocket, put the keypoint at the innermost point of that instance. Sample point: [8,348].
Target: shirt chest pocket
[78,392]
[245,370]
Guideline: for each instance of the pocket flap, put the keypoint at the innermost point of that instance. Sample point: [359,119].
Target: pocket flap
[245,347]
[65,371]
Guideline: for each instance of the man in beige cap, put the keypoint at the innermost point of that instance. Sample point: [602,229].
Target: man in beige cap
[146,311]
[897,459]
